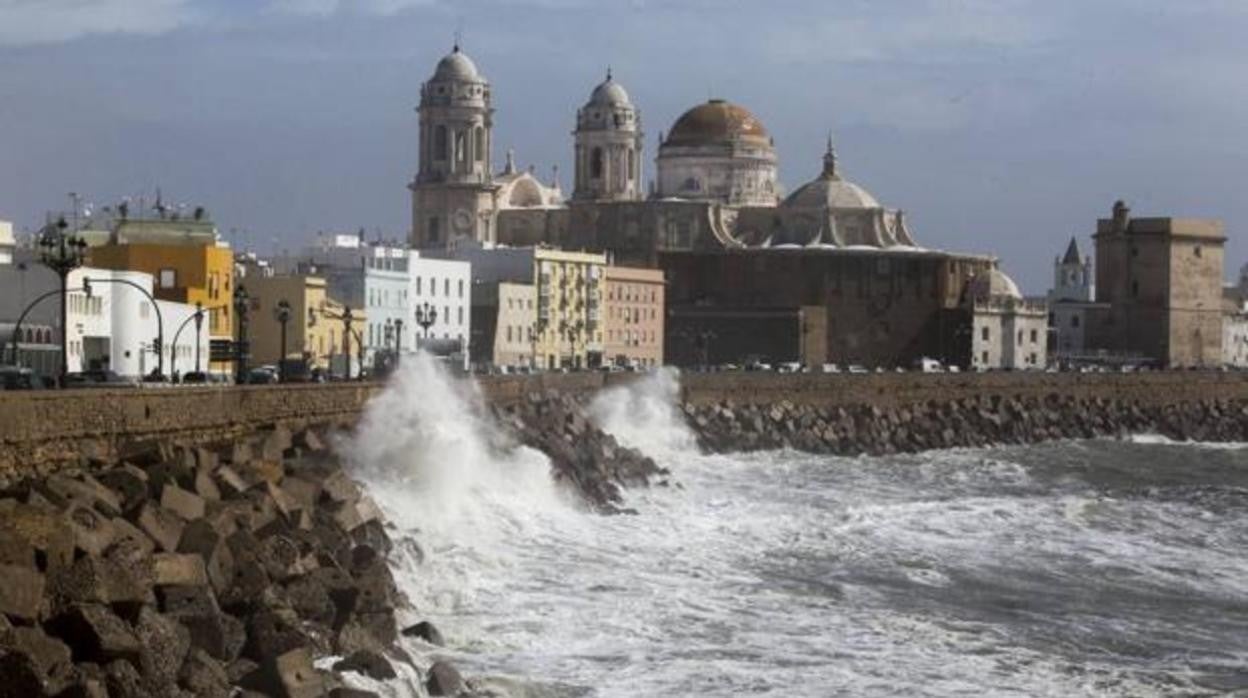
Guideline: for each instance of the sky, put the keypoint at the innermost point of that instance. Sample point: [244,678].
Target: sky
[1000,126]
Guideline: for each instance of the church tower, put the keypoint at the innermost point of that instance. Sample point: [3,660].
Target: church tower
[608,146]
[453,191]
[1072,276]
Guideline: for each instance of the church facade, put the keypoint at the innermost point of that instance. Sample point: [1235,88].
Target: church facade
[828,259]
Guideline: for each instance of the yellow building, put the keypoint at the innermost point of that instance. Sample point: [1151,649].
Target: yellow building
[569,306]
[314,328]
[187,262]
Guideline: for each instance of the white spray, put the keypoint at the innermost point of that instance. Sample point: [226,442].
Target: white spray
[644,415]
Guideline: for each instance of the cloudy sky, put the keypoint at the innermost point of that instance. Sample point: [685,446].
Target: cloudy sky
[1001,126]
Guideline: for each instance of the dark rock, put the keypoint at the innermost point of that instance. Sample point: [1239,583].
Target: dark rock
[425,631]
[204,676]
[368,663]
[444,679]
[343,692]
[165,644]
[161,525]
[95,634]
[290,675]
[185,505]
[178,569]
[31,652]
[21,591]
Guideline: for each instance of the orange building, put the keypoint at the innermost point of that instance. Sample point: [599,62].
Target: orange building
[634,300]
[187,263]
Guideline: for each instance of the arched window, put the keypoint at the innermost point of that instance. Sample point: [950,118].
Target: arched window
[480,144]
[440,143]
[632,166]
[461,147]
[595,163]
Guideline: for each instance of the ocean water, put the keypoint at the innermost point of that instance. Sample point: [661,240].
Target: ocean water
[1068,569]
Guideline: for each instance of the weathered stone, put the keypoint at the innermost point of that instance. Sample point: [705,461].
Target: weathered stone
[178,569]
[271,632]
[63,490]
[185,505]
[232,484]
[444,679]
[285,503]
[275,443]
[290,675]
[200,538]
[339,488]
[206,486]
[368,663]
[129,483]
[204,676]
[96,634]
[265,470]
[129,543]
[45,531]
[14,549]
[308,440]
[47,657]
[355,514]
[123,681]
[102,580]
[219,634]
[161,525]
[280,557]
[21,591]
[425,631]
[93,533]
[165,643]
[310,599]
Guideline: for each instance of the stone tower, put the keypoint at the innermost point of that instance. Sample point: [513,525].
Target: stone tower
[608,146]
[453,191]
[1073,276]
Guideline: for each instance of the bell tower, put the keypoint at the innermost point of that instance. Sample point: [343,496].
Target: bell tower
[452,192]
[608,141]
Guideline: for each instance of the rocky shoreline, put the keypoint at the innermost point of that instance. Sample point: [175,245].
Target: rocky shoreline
[230,569]
[729,425]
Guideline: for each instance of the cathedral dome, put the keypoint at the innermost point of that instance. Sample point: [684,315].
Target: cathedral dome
[829,190]
[716,121]
[456,65]
[609,93]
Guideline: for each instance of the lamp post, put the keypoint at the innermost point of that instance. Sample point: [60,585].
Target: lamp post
[282,314]
[398,338]
[241,303]
[199,324]
[426,316]
[62,252]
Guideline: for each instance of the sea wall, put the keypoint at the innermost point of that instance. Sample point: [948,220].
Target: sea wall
[890,413]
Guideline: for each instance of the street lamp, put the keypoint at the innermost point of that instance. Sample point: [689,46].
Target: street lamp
[62,252]
[282,314]
[199,323]
[242,301]
[426,316]
[347,318]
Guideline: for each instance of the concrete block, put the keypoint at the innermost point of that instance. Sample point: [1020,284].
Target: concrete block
[178,569]
[206,486]
[186,505]
[355,514]
[93,533]
[232,484]
[96,634]
[161,525]
[21,591]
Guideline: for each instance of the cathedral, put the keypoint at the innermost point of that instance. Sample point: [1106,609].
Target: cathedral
[826,273]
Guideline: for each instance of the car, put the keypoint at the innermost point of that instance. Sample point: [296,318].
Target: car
[830,368]
[98,378]
[855,368]
[789,367]
[927,365]
[193,377]
[263,375]
[19,378]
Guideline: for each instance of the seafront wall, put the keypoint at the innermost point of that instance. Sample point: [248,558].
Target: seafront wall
[42,431]
[890,413]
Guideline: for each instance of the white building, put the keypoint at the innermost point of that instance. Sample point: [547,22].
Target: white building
[441,297]
[1008,331]
[1235,326]
[7,242]
[1071,300]
[116,326]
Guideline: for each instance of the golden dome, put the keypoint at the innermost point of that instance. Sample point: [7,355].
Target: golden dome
[716,121]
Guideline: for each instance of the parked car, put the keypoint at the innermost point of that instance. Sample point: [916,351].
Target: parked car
[194,377]
[98,378]
[19,378]
[855,368]
[926,365]
[830,368]
[262,375]
[789,367]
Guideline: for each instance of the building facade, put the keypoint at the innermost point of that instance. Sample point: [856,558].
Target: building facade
[1161,279]
[634,315]
[1008,331]
[514,329]
[187,260]
[440,321]
[316,331]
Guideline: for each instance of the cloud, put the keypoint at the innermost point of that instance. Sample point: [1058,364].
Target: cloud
[29,22]
[325,8]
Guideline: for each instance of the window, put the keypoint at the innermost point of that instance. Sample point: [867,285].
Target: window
[440,144]
[461,288]
[1034,335]
[460,313]
[433,286]
[984,360]
[595,163]
[168,278]
[479,144]
[1020,336]
[418,285]
[1074,320]
[446,287]
[461,147]
[983,334]
[435,231]
[1196,251]
[509,333]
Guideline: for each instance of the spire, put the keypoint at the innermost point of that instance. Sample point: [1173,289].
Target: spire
[608,73]
[1072,255]
[829,161]
[510,167]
